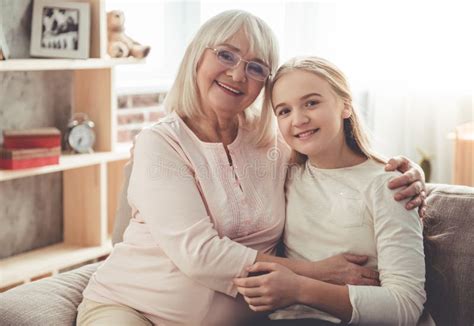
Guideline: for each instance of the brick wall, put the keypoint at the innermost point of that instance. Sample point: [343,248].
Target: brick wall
[136,111]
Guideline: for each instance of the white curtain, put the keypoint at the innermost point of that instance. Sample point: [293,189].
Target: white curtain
[404,121]
[410,63]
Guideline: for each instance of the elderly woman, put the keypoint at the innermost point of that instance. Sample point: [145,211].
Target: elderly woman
[207,193]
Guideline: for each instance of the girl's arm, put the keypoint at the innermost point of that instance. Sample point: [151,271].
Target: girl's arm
[401,263]
[339,269]
[399,300]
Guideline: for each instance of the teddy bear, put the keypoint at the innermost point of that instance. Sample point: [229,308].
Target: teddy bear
[119,44]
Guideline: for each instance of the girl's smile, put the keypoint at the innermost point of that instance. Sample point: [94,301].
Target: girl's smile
[306,134]
[310,116]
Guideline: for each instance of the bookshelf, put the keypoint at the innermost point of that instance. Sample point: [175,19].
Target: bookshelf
[90,182]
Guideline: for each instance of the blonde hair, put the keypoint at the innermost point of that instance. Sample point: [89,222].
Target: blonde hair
[355,136]
[183,96]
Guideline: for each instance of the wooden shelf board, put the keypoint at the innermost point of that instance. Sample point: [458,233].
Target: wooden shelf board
[66,162]
[24,267]
[63,64]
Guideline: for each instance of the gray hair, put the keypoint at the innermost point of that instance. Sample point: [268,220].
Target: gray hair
[183,97]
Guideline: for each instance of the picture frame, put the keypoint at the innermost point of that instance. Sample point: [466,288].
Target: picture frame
[4,50]
[60,29]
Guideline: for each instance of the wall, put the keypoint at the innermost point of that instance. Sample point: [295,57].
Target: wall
[30,208]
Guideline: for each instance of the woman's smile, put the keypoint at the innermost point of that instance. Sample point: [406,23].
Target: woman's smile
[231,90]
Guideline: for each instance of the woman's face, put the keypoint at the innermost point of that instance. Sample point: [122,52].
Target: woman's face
[310,115]
[226,92]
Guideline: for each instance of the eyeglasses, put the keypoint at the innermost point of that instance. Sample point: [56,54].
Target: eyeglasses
[253,69]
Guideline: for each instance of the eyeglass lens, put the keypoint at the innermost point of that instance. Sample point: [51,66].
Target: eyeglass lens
[254,69]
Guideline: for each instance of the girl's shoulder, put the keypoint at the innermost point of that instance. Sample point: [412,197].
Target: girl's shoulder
[372,175]
[375,169]
[297,176]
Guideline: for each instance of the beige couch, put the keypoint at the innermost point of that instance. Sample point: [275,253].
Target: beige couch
[450,268]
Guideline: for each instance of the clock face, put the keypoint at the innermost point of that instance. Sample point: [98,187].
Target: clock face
[81,138]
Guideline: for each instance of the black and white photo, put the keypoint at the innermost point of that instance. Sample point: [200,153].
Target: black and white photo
[60,29]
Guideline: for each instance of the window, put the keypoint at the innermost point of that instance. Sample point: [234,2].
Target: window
[409,63]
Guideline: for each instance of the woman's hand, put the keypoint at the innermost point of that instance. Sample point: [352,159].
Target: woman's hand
[278,288]
[345,269]
[412,181]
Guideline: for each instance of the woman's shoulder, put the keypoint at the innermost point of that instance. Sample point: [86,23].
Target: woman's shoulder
[166,129]
[166,124]
[162,136]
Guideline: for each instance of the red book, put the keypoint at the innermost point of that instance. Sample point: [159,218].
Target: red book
[31,138]
[20,154]
[28,163]
[13,159]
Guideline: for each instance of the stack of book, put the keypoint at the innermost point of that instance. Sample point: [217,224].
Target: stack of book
[30,148]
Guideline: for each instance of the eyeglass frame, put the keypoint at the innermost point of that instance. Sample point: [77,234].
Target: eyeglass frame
[240,60]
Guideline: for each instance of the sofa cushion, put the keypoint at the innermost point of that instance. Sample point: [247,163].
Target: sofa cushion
[450,259]
[49,301]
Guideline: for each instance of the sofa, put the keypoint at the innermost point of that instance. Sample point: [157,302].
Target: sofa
[449,258]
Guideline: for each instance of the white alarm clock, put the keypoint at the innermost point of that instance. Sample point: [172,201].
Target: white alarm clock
[80,136]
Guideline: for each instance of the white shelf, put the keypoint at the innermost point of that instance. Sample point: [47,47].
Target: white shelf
[50,259]
[66,162]
[63,64]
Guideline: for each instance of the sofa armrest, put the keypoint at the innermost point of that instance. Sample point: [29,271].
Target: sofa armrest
[50,301]
[450,258]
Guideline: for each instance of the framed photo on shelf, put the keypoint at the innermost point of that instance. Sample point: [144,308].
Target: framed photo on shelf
[60,29]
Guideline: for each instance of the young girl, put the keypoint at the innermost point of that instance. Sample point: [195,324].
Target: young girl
[337,201]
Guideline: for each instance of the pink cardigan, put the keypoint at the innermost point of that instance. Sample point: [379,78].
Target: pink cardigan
[197,222]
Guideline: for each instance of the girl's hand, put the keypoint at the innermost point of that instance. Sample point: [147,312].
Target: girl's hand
[345,269]
[412,181]
[278,288]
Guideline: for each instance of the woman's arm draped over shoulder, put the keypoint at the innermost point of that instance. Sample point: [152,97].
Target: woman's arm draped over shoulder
[409,185]
[163,190]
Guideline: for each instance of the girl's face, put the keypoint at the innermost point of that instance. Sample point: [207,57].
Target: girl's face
[226,91]
[310,115]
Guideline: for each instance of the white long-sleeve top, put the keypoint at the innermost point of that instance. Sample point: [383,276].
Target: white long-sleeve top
[197,222]
[352,210]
